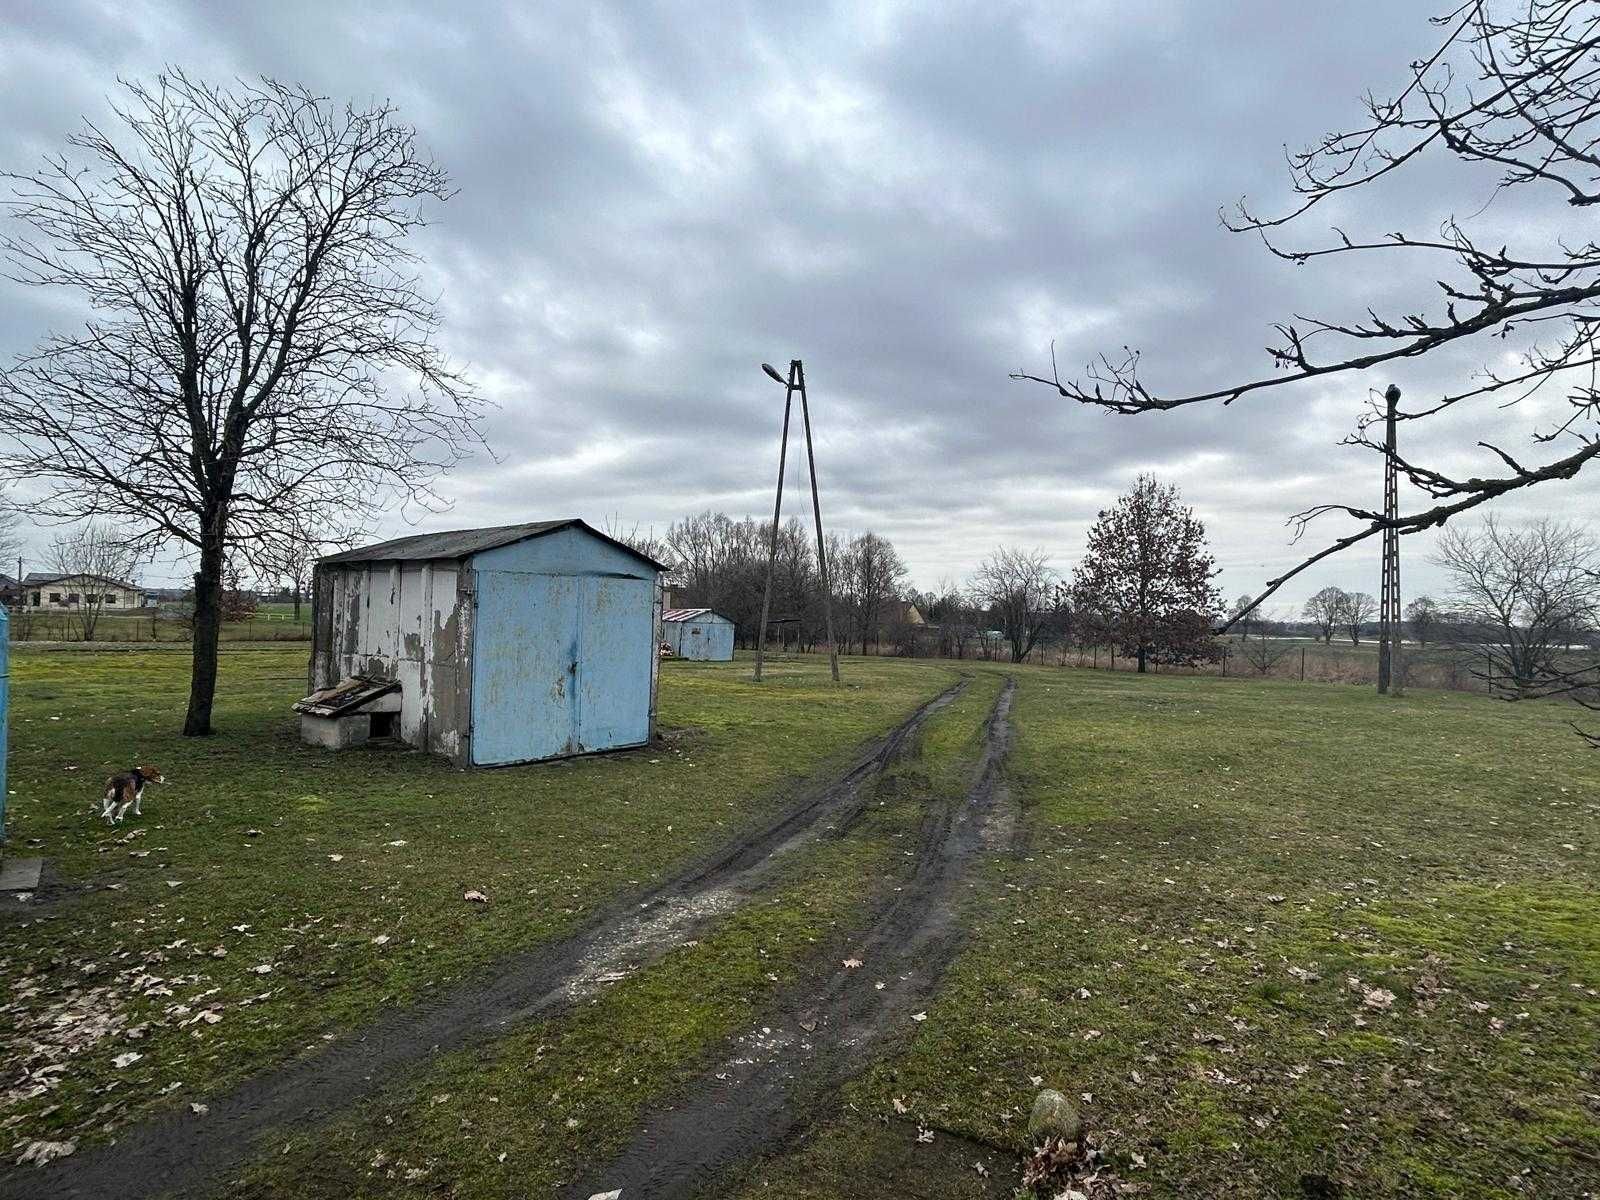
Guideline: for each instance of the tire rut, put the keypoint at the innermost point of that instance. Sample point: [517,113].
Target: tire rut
[766,1084]
[178,1154]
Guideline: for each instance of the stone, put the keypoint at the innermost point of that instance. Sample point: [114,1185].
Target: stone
[20,874]
[1053,1116]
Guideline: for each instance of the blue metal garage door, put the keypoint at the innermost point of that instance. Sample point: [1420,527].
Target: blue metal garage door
[524,655]
[615,641]
[560,665]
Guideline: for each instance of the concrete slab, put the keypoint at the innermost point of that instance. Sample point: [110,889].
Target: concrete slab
[20,874]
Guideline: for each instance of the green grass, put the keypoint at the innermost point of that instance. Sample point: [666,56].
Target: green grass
[315,855]
[563,1093]
[1210,864]
[1220,873]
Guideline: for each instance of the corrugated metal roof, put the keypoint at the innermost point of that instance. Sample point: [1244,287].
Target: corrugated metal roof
[463,543]
[692,614]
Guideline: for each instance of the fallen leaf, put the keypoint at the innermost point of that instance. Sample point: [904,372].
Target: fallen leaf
[39,1153]
[474,896]
[850,964]
[921,1016]
[126,1060]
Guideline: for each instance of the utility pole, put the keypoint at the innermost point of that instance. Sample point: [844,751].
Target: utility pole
[1389,618]
[796,385]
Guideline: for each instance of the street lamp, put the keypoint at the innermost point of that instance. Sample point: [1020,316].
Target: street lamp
[796,383]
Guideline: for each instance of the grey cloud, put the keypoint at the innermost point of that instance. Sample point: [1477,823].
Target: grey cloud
[654,198]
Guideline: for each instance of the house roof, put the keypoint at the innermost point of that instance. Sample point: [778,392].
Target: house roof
[692,614]
[463,543]
[42,577]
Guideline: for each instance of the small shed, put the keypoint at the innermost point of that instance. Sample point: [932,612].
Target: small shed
[698,633]
[488,646]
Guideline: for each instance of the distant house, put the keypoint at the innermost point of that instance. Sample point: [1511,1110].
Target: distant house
[903,612]
[47,591]
[10,590]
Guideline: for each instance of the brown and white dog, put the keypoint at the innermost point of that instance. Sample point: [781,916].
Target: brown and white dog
[125,791]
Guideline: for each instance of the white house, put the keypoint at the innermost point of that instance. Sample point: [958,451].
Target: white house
[50,591]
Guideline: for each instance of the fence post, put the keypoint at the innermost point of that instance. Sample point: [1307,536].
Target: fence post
[1302,664]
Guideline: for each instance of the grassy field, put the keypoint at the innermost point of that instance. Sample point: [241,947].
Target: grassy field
[342,875]
[1279,939]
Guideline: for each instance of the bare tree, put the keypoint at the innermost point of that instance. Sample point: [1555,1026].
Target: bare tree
[1023,592]
[1424,617]
[286,557]
[94,562]
[1265,649]
[644,541]
[262,352]
[1525,596]
[1241,617]
[1512,94]
[951,610]
[10,535]
[1323,610]
[1355,610]
[869,573]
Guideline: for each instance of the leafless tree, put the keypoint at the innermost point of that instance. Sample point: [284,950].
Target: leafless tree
[1265,648]
[286,556]
[1355,610]
[94,562]
[262,351]
[1423,615]
[869,573]
[1323,610]
[950,609]
[10,534]
[644,541]
[1023,592]
[1512,94]
[1526,596]
[1241,617]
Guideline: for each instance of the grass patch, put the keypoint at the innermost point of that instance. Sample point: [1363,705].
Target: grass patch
[524,1115]
[1227,882]
[341,873]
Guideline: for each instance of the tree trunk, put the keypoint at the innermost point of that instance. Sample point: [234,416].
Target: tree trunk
[207,634]
[1141,660]
[297,601]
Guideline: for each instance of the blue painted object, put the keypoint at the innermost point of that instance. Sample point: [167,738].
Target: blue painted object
[512,644]
[5,704]
[698,633]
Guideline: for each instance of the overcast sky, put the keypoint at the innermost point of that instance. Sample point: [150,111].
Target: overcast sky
[913,198]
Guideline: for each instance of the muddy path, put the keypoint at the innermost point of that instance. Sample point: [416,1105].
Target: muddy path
[183,1154]
[769,1082]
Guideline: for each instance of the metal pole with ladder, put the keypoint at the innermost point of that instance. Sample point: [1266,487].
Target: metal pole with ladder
[1390,626]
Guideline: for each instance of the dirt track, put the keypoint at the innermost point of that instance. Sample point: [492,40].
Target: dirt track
[767,1083]
[182,1154]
